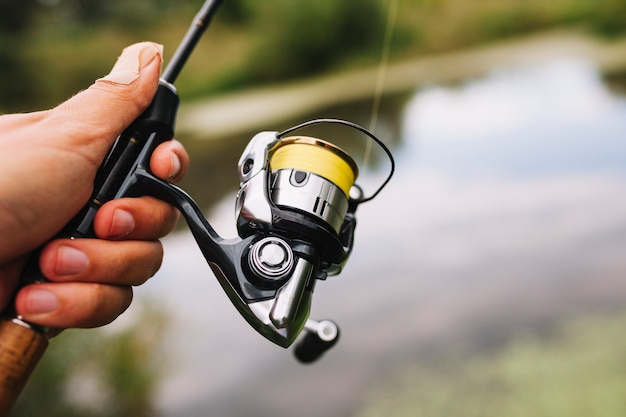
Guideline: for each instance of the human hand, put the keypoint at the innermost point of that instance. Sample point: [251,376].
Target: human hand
[49,160]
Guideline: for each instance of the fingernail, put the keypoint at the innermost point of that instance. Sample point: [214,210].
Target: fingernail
[175,166]
[41,301]
[131,61]
[70,261]
[122,224]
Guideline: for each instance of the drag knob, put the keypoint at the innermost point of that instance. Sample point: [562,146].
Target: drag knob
[271,259]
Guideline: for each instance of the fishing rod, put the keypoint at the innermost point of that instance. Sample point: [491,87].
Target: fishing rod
[296,217]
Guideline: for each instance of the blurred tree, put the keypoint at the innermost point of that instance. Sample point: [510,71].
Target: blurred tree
[16,15]
[51,48]
[237,12]
[311,36]
[609,17]
[15,20]
[132,15]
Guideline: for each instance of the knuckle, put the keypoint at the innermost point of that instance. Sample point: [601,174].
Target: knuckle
[107,303]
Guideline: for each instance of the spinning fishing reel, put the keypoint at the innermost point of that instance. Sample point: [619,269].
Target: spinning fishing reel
[296,217]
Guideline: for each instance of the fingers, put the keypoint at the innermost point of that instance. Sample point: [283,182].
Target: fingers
[129,262]
[170,161]
[89,283]
[72,304]
[144,218]
[90,279]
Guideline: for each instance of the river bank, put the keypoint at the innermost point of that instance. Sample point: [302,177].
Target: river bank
[255,109]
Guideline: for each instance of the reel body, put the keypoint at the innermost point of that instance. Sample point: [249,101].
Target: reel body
[297,209]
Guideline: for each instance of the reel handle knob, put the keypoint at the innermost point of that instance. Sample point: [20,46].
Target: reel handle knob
[318,338]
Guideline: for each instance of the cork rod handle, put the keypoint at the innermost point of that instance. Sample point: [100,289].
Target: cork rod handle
[21,348]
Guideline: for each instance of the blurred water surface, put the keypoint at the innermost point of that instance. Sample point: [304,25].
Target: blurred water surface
[507,213]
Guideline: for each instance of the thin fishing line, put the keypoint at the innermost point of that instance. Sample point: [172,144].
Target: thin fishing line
[382,72]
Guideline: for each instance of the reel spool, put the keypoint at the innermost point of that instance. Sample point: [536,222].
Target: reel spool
[313,176]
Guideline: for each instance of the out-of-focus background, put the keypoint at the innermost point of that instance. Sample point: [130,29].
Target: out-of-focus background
[488,279]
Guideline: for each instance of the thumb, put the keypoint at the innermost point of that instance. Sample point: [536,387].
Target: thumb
[93,118]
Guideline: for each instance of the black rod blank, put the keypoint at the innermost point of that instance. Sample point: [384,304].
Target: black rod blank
[191,38]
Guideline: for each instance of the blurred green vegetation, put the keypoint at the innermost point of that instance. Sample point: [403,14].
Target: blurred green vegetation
[576,372]
[99,373]
[49,49]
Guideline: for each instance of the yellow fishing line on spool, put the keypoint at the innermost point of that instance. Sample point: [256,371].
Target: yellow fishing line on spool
[318,157]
